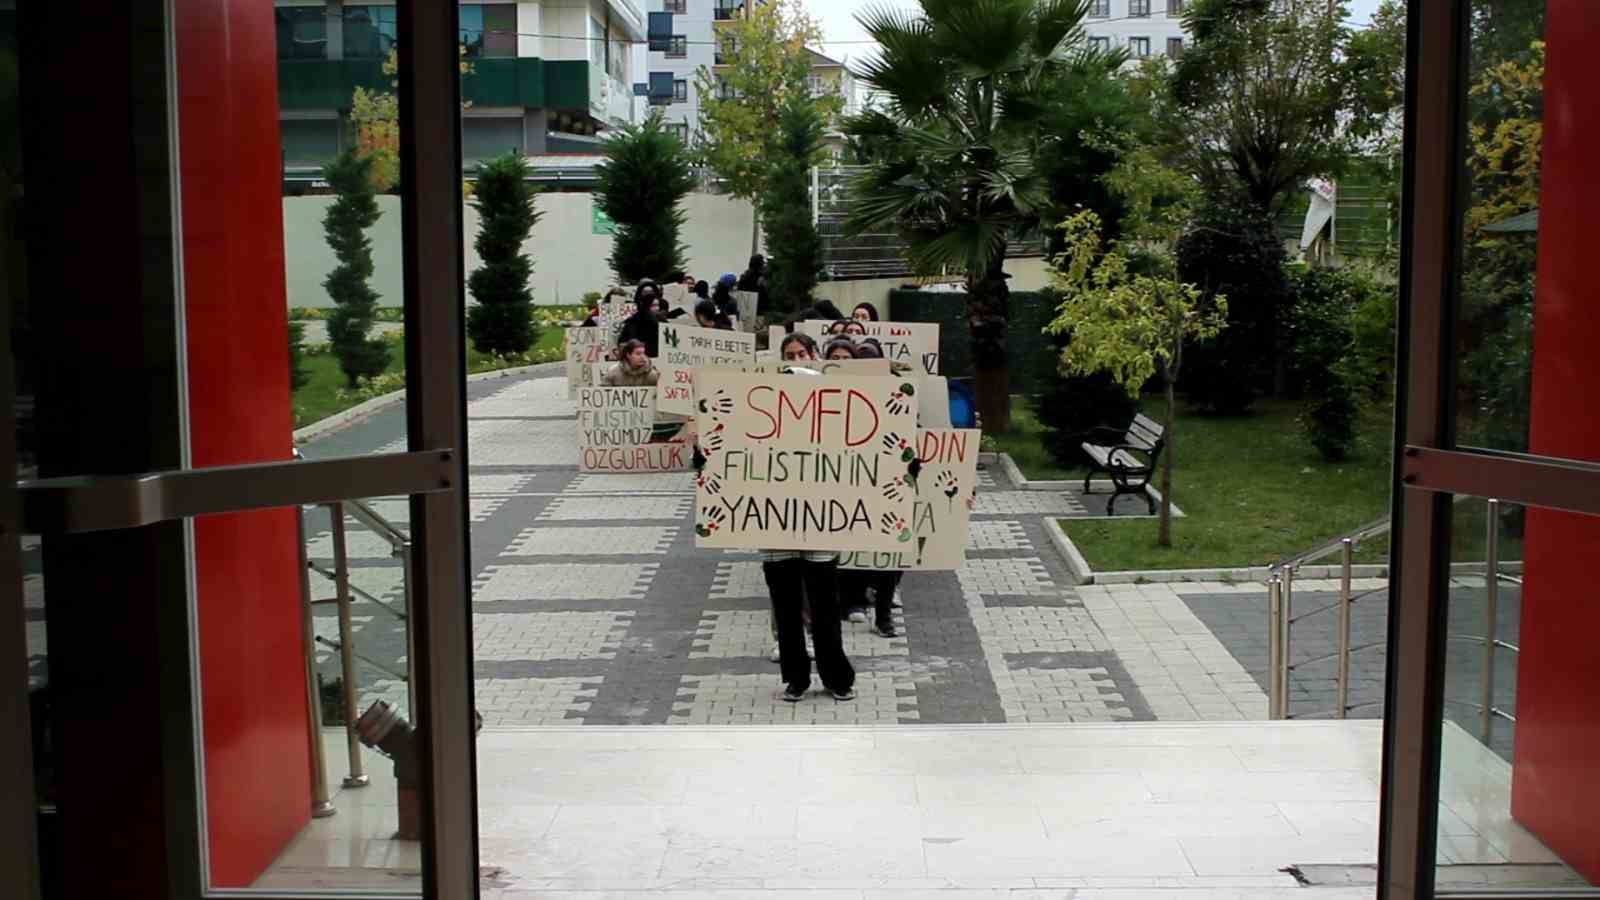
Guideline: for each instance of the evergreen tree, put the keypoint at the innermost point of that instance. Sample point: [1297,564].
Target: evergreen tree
[786,208]
[502,321]
[354,210]
[645,177]
[299,376]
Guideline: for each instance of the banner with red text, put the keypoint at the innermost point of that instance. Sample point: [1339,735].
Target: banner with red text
[914,343]
[945,490]
[684,348]
[801,462]
[618,432]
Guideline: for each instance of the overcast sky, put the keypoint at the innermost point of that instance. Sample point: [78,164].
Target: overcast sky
[843,34]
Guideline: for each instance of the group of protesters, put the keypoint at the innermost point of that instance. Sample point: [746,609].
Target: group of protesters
[811,596]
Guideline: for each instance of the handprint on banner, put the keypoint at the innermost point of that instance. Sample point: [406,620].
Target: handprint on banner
[895,445]
[713,521]
[717,405]
[892,489]
[900,401]
[947,484]
[711,483]
[713,440]
[893,524]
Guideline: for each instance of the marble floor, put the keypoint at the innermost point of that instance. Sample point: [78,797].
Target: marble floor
[1188,810]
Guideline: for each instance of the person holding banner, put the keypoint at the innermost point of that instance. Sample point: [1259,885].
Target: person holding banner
[864,312]
[723,295]
[799,577]
[708,316]
[634,370]
[643,326]
[840,348]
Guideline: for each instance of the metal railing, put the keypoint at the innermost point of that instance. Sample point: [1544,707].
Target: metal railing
[1281,619]
[343,592]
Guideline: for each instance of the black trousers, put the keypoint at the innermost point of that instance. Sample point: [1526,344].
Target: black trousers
[792,582]
[853,584]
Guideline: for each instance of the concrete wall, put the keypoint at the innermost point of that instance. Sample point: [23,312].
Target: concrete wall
[568,259]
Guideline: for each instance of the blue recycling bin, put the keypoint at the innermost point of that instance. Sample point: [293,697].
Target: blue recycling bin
[963,403]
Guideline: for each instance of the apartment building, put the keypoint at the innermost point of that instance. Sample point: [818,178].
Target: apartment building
[1142,27]
[547,76]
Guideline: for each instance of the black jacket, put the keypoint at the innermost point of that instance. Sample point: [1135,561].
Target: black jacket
[642,326]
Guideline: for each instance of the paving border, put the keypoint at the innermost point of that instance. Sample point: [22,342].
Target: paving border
[1023,483]
[362,411]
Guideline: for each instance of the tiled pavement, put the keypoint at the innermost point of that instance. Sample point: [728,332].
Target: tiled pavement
[592,606]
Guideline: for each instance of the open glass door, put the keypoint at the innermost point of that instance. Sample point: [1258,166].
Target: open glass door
[208,620]
[1490,776]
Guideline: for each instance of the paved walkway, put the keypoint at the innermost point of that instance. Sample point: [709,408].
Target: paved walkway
[592,605]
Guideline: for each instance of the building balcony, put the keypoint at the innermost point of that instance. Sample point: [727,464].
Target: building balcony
[528,82]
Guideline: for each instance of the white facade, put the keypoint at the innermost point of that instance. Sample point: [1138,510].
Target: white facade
[695,22]
[1142,27]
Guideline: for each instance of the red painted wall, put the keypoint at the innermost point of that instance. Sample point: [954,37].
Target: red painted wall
[252,664]
[1555,780]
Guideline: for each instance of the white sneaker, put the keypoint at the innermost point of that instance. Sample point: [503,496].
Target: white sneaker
[775,656]
[858,616]
[896,601]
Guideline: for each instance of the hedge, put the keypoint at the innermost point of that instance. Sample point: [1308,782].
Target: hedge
[1031,357]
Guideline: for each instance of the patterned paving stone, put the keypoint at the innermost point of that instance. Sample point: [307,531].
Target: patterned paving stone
[744,633]
[1039,629]
[632,540]
[1001,535]
[1062,695]
[358,543]
[656,482]
[327,628]
[1010,503]
[534,397]
[1005,577]
[397,510]
[881,698]
[735,580]
[510,702]
[542,442]
[607,509]
[564,581]
[548,635]
[500,484]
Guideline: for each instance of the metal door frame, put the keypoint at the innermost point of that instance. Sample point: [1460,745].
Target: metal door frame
[433,472]
[1429,468]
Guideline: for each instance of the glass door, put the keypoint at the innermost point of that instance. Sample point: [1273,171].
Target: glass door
[209,618]
[1489,770]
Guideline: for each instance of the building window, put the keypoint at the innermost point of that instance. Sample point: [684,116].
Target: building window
[815,84]
[489,30]
[1100,9]
[1100,44]
[679,130]
[1138,8]
[680,91]
[1174,7]
[679,48]
[302,32]
[1139,47]
[369,32]
[681,7]
[1174,47]
[727,9]
[725,90]
[725,50]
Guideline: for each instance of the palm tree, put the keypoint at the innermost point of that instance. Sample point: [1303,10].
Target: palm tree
[953,159]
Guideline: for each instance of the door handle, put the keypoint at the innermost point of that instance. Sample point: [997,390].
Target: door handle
[80,504]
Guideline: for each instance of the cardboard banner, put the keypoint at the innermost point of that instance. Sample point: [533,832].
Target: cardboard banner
[685,348]
[612,314]
[946,488]
[863,368]
[798,462]
[618,432]
[585,347]
[747,308]
[934,410]
[677,296]
[913,343]
[775,336]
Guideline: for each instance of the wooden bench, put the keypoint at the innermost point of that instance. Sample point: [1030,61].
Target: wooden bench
[1129,457]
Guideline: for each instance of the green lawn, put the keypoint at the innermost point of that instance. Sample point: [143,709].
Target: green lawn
[320,397]
[1251,487]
